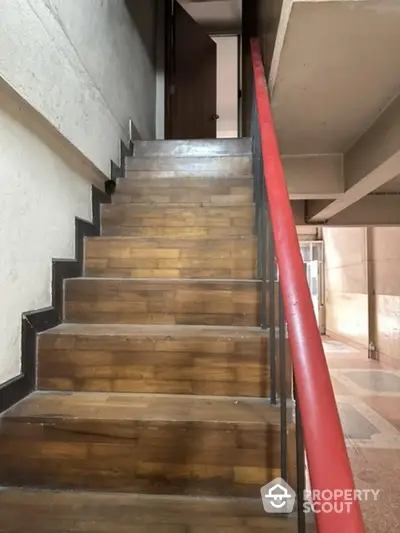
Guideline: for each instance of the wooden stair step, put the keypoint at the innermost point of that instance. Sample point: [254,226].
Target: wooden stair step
[164,301]
[188,174]
[128,219]
[144,443]
[193,148]
[240,165]
[196,191]
[44,511]
[224,361]
[137,257]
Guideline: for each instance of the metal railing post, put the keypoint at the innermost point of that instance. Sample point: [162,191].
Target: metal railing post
[282,387]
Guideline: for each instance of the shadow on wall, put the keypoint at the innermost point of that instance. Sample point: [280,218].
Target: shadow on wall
[269,14]
[144,18]
[36,123]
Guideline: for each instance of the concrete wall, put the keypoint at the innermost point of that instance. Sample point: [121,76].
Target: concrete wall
[87,66]
[386,273]
[43,188]
[72,74]
[346,300]
[346,287]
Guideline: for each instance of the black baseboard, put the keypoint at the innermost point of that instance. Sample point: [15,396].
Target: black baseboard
[34,322]
[118,171]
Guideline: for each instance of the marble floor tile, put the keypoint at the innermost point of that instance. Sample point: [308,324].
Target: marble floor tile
[368,397]
[381,381]
[388,407]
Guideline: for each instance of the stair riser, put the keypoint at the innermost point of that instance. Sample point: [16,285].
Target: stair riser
[147,221]
[186,199]
[230,166]
[205,366]
[153,457]
[160,259]
[183,191]
[180,232]
[95,512]
[113,301]
[193,148]
[211,174]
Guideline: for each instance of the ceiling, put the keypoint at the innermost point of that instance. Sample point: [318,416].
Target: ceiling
[215,15]
[337,69]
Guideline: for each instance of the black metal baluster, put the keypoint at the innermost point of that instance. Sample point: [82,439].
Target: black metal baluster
[282,386]
[300,464]
[263,251]
[271,314]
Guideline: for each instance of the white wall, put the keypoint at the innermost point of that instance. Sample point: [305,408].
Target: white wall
[72,74]
[42,190]
[227,85]
[346,284]
[86,65]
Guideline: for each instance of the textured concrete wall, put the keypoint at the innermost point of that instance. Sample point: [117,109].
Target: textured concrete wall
[346,293]
[43,188]
[72,74]
[87,66]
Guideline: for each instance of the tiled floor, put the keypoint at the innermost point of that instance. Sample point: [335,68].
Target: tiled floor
[368,396]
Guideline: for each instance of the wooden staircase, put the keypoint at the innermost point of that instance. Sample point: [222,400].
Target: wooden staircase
[154,389]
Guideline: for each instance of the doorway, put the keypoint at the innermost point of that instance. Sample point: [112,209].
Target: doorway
[312,253]
[228,79]
[190,77]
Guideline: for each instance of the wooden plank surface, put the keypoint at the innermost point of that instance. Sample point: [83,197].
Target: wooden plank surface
[225,361]
[73,512]
[170,258]
[195,191]
[160,359]
[239,165]
[193,148]
[162,301]
[143,443]
[125,220]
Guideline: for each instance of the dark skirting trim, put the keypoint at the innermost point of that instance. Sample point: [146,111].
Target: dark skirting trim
[118,171]
[34,322]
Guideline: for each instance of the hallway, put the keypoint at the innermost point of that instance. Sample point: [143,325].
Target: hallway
[368,396]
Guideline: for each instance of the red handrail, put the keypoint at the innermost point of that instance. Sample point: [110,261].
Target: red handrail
[328,462]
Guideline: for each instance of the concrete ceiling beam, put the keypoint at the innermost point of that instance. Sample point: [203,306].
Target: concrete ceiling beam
[372,210]
[334,68]
[314,176]
[373,161]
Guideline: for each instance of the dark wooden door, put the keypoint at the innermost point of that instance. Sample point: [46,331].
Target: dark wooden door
[191,84]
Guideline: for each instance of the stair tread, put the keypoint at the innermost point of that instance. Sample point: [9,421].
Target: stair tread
[168,239]
[75,511]
[145,407]
[191,182]
[156,330]
[228,282]
[230,164]
[178,208]
[193,147]
[184,205]
[189,174]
